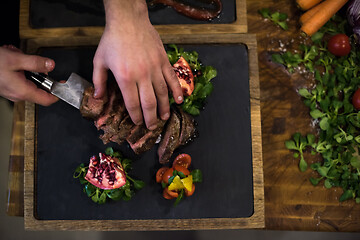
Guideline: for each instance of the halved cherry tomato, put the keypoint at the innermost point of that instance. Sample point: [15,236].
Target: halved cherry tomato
[167,174]
[160,174]
[182,160]
[166,195]
[182,169]
[171,193]
[189,193]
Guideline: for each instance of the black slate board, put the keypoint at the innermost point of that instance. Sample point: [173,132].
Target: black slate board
[78,13]
[222,151]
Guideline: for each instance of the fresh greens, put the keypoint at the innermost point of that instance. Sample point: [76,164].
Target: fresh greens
[276,17]
[97,195]
[329,102]
[202,78]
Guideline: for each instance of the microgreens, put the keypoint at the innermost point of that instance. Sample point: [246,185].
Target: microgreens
[329,102]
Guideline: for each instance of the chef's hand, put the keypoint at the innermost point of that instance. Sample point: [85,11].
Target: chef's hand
[13,84]
[132,49]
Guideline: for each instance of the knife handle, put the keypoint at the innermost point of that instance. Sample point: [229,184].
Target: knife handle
[40,79]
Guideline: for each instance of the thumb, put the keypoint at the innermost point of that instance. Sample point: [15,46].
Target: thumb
[35,63]
[99,79]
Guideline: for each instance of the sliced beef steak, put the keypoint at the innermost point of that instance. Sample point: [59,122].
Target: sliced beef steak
[142,139]
[170,140]
[123,131]
[92,107]
[187,127]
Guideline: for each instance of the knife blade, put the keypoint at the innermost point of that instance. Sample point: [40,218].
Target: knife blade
[71,91]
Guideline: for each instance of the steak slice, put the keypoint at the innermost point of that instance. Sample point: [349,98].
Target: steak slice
[142,139]
[187,127]
[170,140]
[123,131]
[113,111]
[92,107]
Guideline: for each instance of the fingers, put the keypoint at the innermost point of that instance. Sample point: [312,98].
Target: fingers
[148,104]
[162,96]
[34,63]
[21,89]
[173,82]
[129,90]
[39,96]
[99,78]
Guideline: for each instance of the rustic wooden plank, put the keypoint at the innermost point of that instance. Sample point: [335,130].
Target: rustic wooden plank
[255,221]
[15,193]
[27,32]
[291,201]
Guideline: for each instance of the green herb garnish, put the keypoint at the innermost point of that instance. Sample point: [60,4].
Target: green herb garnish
[203,87]
[276,17]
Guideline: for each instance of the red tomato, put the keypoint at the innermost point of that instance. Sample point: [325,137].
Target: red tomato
[160,174]
[167,174]
[189,193]
[339,45]
[182,169]
[166,195]
[173,194]
[356,99]
[182,160]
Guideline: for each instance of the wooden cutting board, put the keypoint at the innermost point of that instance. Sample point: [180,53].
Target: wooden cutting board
[228,150]
[234,21]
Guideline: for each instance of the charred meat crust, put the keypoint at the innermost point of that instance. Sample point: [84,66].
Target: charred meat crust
[142,139]
[170,140]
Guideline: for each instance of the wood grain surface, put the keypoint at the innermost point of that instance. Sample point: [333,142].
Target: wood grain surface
[27,32]
[291,202]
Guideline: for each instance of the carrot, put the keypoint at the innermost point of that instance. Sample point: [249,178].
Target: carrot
[309,13]
[307,4]
[327,10]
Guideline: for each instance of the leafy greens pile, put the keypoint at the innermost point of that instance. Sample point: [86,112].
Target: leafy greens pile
[338,141]
[99,195]
[202,79]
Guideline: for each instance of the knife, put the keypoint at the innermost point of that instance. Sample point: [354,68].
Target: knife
[71,91]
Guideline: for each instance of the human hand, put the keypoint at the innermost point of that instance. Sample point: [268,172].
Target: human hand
[13,84]
[132,49]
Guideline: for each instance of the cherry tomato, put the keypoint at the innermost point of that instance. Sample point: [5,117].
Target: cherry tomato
[160,174]
[189,193]
[356,99]
[339,45]
[173,194]
[182,160]
[182,169]
[166,195]
[167,174]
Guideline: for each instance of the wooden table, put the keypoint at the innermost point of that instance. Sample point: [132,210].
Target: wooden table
[291,201]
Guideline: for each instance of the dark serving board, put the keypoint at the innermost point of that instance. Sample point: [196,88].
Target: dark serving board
[223,150]
[77,13]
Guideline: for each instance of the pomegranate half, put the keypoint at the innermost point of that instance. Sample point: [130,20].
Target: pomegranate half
[105,172]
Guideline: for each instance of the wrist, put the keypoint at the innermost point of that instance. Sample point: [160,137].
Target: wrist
[123,11]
